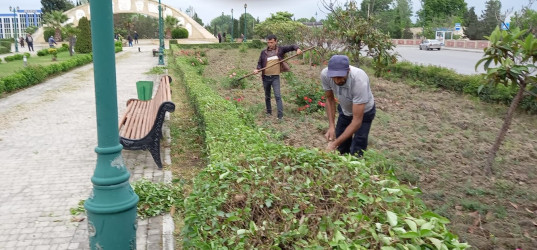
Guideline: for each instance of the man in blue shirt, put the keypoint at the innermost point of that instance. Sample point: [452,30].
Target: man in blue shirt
[51,42]
[356,106]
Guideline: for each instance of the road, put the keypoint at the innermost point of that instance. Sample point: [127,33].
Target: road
[460,60]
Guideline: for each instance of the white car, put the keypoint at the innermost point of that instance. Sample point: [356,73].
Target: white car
[430,44]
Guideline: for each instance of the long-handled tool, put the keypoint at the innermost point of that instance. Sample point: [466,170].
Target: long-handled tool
[260,70]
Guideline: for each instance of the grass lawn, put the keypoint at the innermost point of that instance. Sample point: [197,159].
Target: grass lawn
[7,68]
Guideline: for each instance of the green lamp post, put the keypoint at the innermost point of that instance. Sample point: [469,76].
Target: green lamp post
[244,23]
[232,25]
[15,9]
[161,35]
[111,207]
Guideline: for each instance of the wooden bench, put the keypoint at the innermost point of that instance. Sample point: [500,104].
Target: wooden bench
[140,128]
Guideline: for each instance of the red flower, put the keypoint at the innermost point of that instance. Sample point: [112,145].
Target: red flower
[322,104]
[309,100]
[322,97]
[307,106]
[305,98]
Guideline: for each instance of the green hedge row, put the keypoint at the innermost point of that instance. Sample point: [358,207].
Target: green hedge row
[259,194]
[44,52]
[253,44]
[32,75]
[5,45]
[16,57]
[467,84]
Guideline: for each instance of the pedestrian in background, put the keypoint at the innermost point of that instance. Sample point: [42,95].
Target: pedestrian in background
[30,42]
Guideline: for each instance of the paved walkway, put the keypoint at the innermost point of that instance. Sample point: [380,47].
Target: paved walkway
[47,139]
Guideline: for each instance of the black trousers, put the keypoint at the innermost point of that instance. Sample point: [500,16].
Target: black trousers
[358,142]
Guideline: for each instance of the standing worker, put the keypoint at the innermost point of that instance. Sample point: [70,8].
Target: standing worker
[51,42]
[271,76]
[356,106]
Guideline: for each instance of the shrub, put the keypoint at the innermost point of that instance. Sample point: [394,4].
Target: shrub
[48,32]
[173,41]
[257,44]
[42,52]
[309,97]
[4,50]
[2,86]
[83,45]
[179,33]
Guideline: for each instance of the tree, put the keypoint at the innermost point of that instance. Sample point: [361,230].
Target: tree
[31,29]
[471,25]
[56,5]
[84,39]
[282,25]
[358,32]
[515,57]
[169,24]
[400,18]
[197,19]
[525,19]
[438,10]
[71,33]
[55,19]
[490,19]
[250,22]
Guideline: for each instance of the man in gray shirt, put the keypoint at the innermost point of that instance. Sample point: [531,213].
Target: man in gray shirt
[350,85]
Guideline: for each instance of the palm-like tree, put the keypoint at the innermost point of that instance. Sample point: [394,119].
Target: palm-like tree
[170,23]
[55,19]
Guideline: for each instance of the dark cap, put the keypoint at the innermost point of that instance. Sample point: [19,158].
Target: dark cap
[338,66]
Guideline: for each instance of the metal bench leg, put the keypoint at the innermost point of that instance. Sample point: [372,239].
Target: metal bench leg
[155,153]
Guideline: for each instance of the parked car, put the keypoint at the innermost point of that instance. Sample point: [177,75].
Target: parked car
[430,44]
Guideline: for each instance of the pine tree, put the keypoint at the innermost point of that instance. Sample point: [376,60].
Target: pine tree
[83,44]
[490,19]
[471,25]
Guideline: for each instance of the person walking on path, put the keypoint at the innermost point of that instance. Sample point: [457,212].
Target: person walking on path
[30,42]
[271,76]
[219,38]
[21,41]
[356,106]
[129,38]
[135,37]
[51,42]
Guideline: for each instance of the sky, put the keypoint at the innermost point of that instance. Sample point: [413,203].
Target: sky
[209,9]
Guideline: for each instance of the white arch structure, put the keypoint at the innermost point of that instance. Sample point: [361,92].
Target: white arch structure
[145,7]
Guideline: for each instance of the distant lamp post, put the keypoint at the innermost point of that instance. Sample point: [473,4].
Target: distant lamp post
[15,9]
[161,35]
[244,23]
[232,25]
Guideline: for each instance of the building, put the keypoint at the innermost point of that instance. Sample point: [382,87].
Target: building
[24,19]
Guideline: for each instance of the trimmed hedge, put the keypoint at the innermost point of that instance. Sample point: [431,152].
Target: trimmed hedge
[450,80]
[16,57]
[33,75]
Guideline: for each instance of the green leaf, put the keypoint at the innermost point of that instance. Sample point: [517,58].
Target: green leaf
[241,231]
[222,176]
[480,88]
[430,214]
[268,202]
[338,236]
[392,218]
[436,242]
[412,225]
[409,235]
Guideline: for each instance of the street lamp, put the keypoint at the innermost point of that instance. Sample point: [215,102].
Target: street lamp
[15,9]
[111,206]
[244,23]
[161,35]
[232,25]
